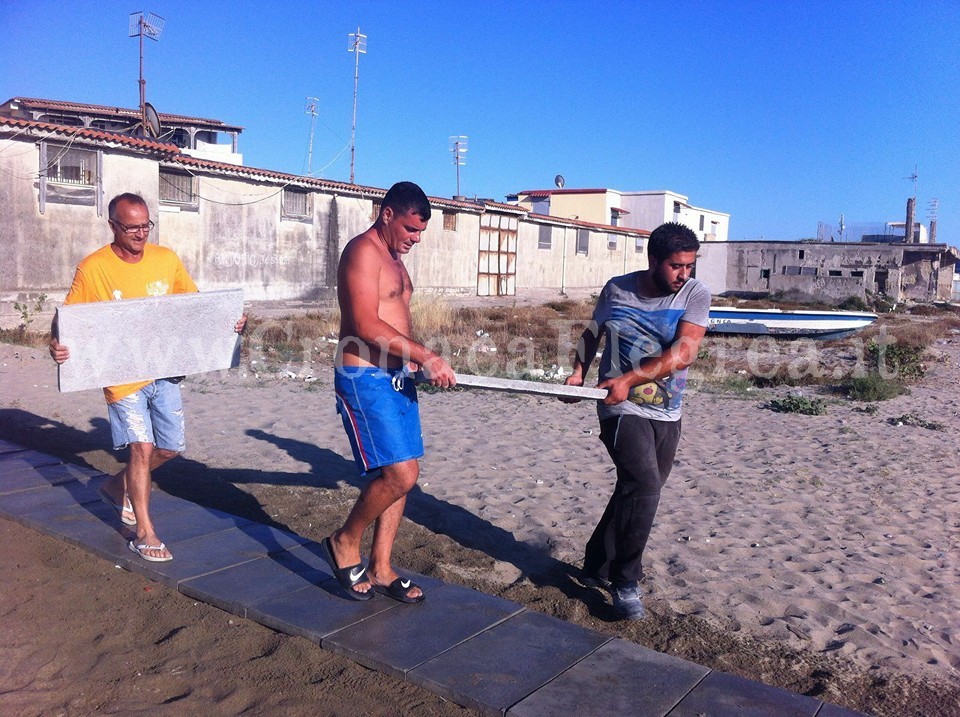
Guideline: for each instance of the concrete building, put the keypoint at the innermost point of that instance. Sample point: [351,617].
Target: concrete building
[829,271]
[277,236]
[637,210]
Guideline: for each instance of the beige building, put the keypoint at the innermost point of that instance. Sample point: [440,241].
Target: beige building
[637,210]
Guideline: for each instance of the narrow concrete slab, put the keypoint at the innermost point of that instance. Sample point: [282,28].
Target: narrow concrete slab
[398,641]
[17,462]
[215,551]
[235,589]
[511,385]
[619,678]
[92,526]
[723,695]
[178,520]
[42,499]
[8,447]
[114,342]
[501,666]
[28,477]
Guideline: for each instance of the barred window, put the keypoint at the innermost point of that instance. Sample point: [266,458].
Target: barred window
[638,245]
[612,242]
[295,203]
[70,165]
[374,210]
[177,188]
[450,221]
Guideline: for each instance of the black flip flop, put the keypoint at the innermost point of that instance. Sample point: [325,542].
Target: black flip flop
[347,577]
[398,590]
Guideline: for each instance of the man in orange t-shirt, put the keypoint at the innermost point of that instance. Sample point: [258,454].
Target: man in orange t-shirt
[147,415]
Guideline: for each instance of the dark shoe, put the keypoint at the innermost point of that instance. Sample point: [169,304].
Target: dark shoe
[626,601]
[594,582]
[400,589]
[348,577]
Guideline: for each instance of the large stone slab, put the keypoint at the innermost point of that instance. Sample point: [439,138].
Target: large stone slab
[26,502]
[215,551]
[722,695]
[619,678]
[235,589]
[501,666]
[92,526]
[21,461]
[115,342]
[22,476]
[397,641]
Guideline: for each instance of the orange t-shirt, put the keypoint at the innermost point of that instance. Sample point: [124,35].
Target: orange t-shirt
[103,276]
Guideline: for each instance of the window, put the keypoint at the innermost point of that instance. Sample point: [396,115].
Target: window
[764,273]
[856,274]
[614,218]
[69,165]
[70,175]
[791,271]
[450,221]
[701,222]
[583,241]
[809,271]
[612,242]
[545,239]
[835,272]
[800,253]
[374,211]
[296,204]
[638,245]
[177,188]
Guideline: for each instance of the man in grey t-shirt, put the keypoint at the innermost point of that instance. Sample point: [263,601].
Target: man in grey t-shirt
[652,322]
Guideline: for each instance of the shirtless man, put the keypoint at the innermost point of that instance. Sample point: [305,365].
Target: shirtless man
[376,398]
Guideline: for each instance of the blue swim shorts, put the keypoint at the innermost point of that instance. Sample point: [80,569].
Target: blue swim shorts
[154,414]
[380,414]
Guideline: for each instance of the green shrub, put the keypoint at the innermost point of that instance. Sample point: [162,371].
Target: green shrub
[853,303]
[798,404]
[873,387]
[903,360]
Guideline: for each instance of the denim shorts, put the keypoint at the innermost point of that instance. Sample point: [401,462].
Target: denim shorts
[380,414]
[154,414]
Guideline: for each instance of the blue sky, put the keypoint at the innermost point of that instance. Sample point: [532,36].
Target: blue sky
[782,114]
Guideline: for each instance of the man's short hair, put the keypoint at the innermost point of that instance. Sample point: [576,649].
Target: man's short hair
[670,238]
[125,197]
[405,197]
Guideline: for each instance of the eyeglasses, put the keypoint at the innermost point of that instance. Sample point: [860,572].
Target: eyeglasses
[145,228]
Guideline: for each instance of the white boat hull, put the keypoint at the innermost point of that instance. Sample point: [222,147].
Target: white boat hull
[788,324]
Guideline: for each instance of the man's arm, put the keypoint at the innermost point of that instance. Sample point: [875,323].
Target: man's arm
[586,352]
[680,354]
[359,280]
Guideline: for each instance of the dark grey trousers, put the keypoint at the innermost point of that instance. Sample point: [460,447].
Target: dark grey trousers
[643,451]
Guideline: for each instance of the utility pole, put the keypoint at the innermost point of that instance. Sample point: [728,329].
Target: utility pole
[458,145]
[358,45]
[312,111]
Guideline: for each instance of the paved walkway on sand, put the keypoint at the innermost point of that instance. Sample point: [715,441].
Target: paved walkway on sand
[477,650]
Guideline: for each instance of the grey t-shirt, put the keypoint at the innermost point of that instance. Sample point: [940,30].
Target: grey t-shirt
[636,328]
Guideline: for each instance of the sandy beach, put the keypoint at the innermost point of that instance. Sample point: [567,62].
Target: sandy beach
[816,553]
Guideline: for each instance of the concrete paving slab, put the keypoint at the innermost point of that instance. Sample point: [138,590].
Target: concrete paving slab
[619,678]
[397,641]
[501,666]
[315,612]
[177,520]
[215,551]
[26,477]
[26,502]
[722,695]
[234,589]
[8,447]
[14,463]
[92,526]
[114,342]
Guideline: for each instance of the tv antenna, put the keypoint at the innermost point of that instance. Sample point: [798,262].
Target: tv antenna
[358,45]
[311,110]
[913,178]
[458,145]
[145,25]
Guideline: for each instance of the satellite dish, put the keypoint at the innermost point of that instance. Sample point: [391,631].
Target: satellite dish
[152,120]
[558,180]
